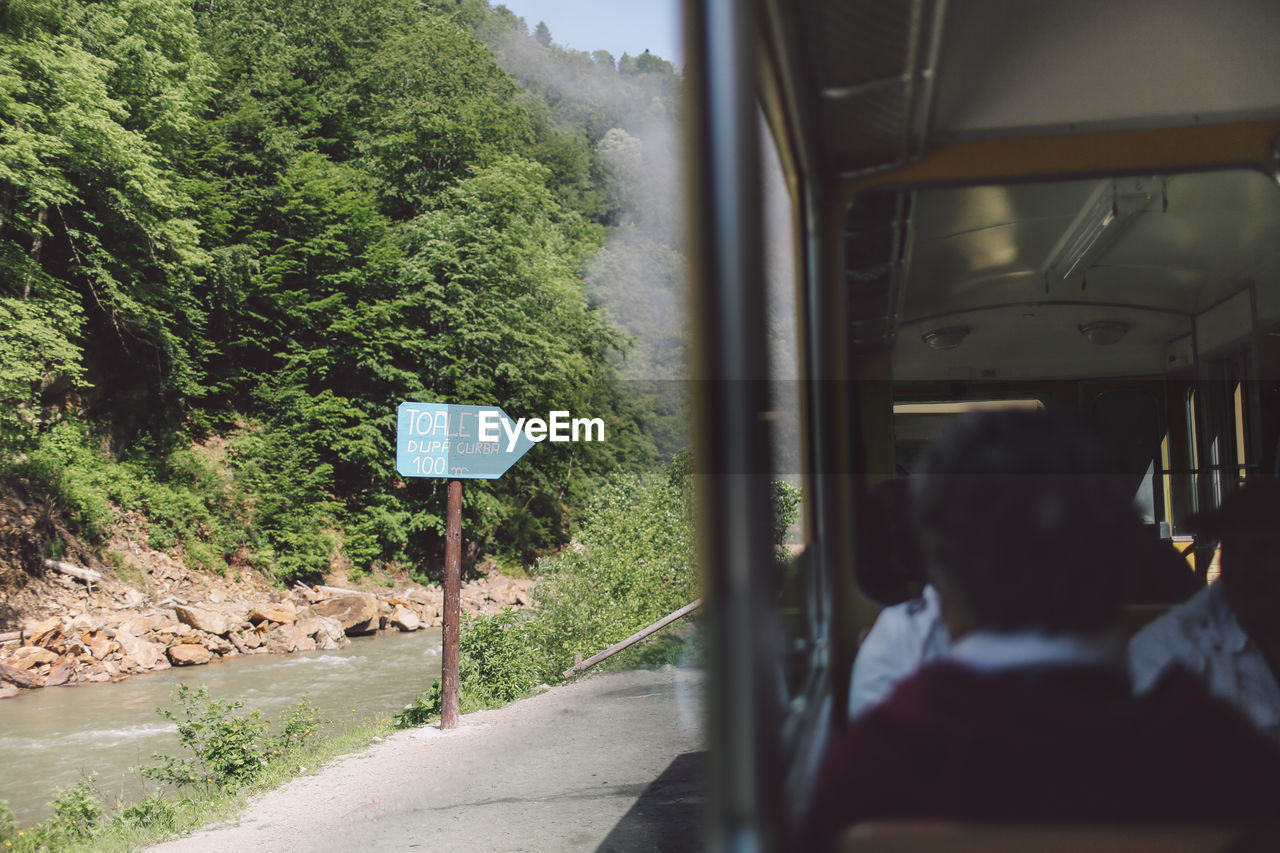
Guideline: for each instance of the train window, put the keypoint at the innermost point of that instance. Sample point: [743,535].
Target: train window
[799,598]
[915,424]
[1193,453]
[1129,420]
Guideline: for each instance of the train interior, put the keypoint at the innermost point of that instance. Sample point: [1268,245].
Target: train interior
[1150,304]
[1002,203]
[990,203]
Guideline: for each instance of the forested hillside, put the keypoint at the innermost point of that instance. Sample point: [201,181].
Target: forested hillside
[235,234]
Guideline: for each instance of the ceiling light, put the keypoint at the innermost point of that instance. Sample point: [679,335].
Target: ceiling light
[1104,333]
[1112,207]
[949,337]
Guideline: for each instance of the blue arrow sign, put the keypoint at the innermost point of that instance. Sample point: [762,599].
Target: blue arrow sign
[443,440]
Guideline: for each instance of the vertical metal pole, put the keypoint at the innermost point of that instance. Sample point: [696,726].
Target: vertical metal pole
[730,436]
[452,605]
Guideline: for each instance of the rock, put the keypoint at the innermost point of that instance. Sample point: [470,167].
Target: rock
[269,611]
[252,639]
[140,625]
[140,654]
[284,639]
[209,621]
[357,613]
[217,644]
[189,654]
[137,626]
[61,672]
[16,677]
[133,597]
[88,623]
[405,619]
[29,656]
[8,691]
[99,644]
[328,632]
[46,632]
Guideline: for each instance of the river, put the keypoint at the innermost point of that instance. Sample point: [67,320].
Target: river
[54,737]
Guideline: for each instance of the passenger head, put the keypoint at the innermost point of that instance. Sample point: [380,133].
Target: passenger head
[1023,524]
[1248,527]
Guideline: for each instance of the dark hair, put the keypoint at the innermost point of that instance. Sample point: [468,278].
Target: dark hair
[1024,520]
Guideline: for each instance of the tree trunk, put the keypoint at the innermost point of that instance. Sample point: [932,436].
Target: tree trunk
[36,242]
[86,575]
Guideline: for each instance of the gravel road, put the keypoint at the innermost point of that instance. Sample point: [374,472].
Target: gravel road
[600,764]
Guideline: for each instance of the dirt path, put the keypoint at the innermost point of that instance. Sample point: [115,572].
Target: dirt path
[557,772]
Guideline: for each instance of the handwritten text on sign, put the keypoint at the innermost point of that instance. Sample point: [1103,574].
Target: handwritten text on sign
[443,440]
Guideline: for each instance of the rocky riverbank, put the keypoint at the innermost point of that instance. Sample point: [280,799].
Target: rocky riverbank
[91,626]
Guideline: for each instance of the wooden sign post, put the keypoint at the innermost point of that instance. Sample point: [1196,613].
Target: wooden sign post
[443,440]
[452,606]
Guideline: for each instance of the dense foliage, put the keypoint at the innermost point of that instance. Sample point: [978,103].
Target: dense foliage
[259,226]
[631,564]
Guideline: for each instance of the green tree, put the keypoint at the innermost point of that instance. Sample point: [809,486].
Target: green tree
[505,320]
[93,209]
[435,106]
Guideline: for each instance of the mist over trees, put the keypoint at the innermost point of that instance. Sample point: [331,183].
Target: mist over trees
[258,225]
[623,116]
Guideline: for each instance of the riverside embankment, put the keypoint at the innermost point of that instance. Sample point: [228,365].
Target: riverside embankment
[117,631]
[68,641]
[75,620]
[55,737]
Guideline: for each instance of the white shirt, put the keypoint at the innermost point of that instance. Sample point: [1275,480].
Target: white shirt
[1203,635]
[991,651]
[904,637]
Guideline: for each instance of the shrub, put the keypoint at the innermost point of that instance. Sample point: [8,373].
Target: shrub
[500,658]
[301,721]
[77,814]
[77,810]
[268,502]
[152,810]
[633,564]
[230,748]
[8,825]
[186,502]
[425,709]
[785,498]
